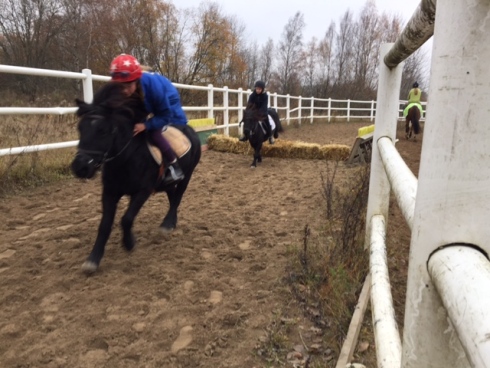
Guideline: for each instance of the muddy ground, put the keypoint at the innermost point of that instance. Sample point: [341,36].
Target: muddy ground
[202,297]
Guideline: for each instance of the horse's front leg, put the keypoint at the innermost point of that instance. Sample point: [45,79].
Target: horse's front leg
[257,157]
[137,201]
[109,206]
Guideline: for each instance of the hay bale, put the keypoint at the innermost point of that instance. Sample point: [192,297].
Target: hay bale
[282,148]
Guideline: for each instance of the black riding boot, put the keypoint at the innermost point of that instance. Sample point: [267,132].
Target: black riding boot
[174,174]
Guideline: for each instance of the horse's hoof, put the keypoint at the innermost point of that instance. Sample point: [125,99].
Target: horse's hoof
[253,167]
[129,244]
[166,230]
[89,267]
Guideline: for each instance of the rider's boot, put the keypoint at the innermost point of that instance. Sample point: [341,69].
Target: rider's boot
[174,174]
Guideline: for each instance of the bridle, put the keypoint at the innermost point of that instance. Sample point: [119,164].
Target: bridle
[104,154]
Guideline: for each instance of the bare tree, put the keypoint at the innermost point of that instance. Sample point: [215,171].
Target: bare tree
[325,59]
[266,58]
[252,59]
[344,44]
[311,59]
[290,52]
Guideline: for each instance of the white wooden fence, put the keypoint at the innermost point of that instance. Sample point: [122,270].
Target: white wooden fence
[447,311]
[289,107]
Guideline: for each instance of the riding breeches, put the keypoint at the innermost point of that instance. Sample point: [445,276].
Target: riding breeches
[272,123]
[158,139]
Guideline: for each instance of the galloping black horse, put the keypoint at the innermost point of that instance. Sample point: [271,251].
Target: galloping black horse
[106,140]
[255,132]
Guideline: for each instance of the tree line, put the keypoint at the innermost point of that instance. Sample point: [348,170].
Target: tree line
[195,46]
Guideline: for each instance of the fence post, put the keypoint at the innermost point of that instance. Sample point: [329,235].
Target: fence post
[452,197]
[300,105]
[210,102]
[88,86]
[312,106]
[329,108]
[288,105]
[387,99]
[372,110]
[226,118]
[348,110]
[240,110]
[275,100]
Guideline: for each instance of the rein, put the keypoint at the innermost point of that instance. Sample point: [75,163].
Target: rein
[106,153]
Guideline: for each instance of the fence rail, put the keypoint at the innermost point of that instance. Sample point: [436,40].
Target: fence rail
[305,109]
[448,298]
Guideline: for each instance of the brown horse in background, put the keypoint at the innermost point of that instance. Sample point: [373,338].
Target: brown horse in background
[412,122]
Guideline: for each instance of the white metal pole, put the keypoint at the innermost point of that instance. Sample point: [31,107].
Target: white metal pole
[348,110]
[300,105]
[388,343]
[461,276]
[387,99]
[452,204]
[329,108]
[88,86]
[240,110]
[275,100]
[210,102]
[372,110]
[312,107]
[226,117]
[288,104]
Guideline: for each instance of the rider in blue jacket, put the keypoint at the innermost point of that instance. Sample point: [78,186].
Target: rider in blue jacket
[162,101]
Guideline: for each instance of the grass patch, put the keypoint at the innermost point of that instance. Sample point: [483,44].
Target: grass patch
[18,172]
[327,271]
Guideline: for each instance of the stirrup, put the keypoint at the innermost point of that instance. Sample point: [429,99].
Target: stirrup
[173,176]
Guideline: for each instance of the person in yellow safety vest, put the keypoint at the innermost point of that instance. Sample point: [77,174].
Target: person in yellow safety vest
[414,98]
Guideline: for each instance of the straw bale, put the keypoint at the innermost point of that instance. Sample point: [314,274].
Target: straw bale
[282,148]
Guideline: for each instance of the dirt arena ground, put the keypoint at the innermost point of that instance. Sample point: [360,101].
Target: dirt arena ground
[202,297]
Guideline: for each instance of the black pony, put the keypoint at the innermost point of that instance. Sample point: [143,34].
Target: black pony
[255,132]
[106,140]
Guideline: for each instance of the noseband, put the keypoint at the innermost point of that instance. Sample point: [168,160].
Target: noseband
[102,153]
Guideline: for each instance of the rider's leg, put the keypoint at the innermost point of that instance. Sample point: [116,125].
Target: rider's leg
[174,172]
[273,129]
[268,130]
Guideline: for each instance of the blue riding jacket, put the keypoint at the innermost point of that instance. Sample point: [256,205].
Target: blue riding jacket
[162,100]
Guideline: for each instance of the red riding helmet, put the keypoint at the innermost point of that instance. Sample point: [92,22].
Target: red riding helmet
[125,68]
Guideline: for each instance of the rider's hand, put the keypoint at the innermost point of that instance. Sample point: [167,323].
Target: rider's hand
[138,128]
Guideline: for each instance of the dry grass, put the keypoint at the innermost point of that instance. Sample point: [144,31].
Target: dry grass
[22,171]
[327,271]
[282,148]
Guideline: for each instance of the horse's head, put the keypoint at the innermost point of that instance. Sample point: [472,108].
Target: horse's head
[251,117]
[102,123]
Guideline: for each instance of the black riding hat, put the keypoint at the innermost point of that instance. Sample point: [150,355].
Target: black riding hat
[259,84]
[415,85]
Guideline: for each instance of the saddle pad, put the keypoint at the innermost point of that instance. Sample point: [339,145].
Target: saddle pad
[178,141]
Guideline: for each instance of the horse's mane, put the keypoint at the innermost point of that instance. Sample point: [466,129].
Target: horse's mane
[110,98]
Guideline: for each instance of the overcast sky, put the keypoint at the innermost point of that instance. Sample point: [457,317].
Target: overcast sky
[266,19]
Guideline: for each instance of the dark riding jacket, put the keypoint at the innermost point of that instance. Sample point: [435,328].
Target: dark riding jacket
[261,102]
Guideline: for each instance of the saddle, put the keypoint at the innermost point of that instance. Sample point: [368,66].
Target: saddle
[178,141]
